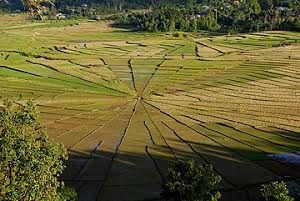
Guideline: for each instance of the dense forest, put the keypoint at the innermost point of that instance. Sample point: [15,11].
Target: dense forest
[127,4]
[218,15]
[231,16]
[104,4]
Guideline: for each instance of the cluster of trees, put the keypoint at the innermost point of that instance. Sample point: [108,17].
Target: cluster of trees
[171,18]
[189,181]
[219,15]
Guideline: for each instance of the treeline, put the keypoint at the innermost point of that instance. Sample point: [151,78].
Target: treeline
[218,15]
[170,18]
[117,5]
[231,16]
[104,5]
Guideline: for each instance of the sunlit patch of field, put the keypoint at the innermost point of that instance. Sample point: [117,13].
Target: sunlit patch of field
[126,105]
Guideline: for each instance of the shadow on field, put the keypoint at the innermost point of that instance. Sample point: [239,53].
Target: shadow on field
[135,29]
[129,176]
[126,28]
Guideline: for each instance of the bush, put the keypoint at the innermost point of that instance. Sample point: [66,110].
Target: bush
[188,181]
[176,35]
[66,193]
[276,191]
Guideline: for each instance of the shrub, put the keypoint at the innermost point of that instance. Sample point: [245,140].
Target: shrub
[188,181]
[66,193]
[176,35]
[276,191]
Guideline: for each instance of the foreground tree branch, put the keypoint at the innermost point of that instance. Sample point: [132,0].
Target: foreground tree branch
[37,7]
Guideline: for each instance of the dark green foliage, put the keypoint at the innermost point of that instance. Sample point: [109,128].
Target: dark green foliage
[29,161]
[219,15]
[66,193]
[187,15]
[176,35]
[188,181]
[170,18]
[296,24]
[111,5]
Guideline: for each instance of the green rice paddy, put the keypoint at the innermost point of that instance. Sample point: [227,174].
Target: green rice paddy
[127,105]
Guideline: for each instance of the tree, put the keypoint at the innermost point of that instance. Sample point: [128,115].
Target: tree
[37,7]
[116,4]
[254,7]
[29,161]
[266,4]
[191,3]
[276,191]
[184,25]
[194,26]
[296,25]
[188,181]
[172,25]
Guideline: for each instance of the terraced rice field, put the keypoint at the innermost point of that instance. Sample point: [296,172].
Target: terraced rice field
[127,105]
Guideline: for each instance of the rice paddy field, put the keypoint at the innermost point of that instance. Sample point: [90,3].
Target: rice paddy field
[126,105]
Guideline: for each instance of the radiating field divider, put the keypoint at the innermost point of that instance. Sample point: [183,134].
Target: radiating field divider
[169,147]
[116,151]
[152,76]
[108,67]
[80,78]
[86,164]
[254,147]
[225,114]
[132,75]
[207,136]
[156,165]
[99,128]
[149,131]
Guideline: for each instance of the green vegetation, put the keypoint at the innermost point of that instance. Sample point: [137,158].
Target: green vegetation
[276,191]
[221,16]
[126,104]
[171,15]
[30,163]
[188,181]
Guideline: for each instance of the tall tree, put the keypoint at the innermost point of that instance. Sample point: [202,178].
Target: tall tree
[251,7]
[172,25]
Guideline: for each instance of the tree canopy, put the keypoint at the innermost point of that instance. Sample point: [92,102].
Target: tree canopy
[218,15]
[276,191]
[30,162]
[189,181]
